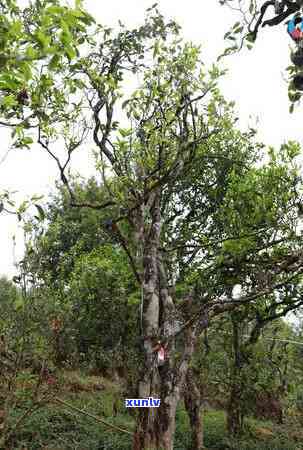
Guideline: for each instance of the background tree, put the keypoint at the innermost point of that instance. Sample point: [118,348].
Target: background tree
[87,280]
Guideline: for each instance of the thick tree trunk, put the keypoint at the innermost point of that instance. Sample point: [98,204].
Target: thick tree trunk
[156,426]
[193,406]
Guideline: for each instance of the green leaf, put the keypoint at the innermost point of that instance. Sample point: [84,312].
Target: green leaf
[27,140]
[125,132]
[70,52]
[250,37]
[54,62]
[16,28]
[77,13]
[9,101]
[42,39]
[9,82]
[40,211]
[37,197]
[111,82]
[54,10]
[31,53]
[26,70]
[65,38]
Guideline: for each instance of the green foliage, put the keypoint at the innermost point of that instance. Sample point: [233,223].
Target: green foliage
[47,32]
[88,282]
[9,296]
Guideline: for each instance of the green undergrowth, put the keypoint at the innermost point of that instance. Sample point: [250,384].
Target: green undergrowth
[259,435]
[57,427]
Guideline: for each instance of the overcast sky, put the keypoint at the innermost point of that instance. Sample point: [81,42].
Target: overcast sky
[256,81]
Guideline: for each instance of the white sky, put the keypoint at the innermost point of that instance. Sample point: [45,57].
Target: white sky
[255,81]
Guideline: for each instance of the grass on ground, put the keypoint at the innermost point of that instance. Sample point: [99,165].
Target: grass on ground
[56,427]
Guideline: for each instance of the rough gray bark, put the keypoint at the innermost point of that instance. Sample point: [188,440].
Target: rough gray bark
[156,426]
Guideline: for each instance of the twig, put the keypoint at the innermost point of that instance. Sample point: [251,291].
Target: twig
[114,427]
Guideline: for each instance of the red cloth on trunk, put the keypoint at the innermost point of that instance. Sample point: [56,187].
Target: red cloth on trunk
[297,34]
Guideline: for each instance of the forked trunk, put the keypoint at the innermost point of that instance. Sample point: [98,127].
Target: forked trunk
[156,426]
